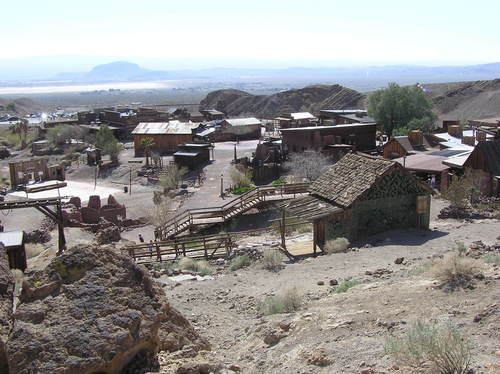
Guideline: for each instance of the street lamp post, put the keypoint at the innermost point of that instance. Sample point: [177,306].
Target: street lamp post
[222,185]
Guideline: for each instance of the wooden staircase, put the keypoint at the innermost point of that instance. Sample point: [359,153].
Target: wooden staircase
[194,219]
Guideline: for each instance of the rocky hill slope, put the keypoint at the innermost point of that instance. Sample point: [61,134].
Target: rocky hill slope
[466,100]
[20,105]
[311,99]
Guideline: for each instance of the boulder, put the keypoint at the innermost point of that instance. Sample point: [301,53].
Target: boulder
[93,310]
[94,202]
[7,284]
[108,235]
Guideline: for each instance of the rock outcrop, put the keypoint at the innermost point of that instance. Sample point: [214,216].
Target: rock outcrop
[7,284]
[93,310]
[311,98]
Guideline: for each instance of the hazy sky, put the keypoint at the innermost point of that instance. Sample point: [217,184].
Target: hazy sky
[424,31]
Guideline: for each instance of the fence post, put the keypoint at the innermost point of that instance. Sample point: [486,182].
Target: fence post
[184,249]
[205,248]
[158,255]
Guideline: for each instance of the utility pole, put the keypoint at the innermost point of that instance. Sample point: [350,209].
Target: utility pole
[221,185]
[235,158]
[130,180]
[95,177]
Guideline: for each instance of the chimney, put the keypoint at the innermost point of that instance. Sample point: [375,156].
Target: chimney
[416,137]
[469,140]
[480,136]
[455,130]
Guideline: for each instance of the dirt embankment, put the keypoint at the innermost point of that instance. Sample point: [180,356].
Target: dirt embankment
[311,99]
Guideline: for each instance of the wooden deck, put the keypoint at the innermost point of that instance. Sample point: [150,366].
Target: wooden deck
[195,219]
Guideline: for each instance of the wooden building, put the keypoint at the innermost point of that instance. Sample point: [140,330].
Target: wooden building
[360,136]
[483,167]
[212,114]
[344,117]
[13,244]
[300,119]
[166,136]
[230,130]
[361,196]
[193,155]
[34,170]
[415,142]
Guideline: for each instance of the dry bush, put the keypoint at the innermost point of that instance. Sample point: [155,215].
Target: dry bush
[456,271]
[344,286]
[336,245]
[443,347]
[171,176]
[200,267]
[240,262]
[291,299]
[288,301]
[307,165]
[33,250]
[240,178]
[272,259]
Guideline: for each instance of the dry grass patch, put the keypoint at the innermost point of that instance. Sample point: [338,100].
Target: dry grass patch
[288,301]
[442,347]
[336,245]
[456,271]
[272,259]
[201,267]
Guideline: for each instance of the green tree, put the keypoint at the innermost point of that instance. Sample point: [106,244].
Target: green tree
[104,136]
[20,128]
[147,144]
[106,141]
[401,107]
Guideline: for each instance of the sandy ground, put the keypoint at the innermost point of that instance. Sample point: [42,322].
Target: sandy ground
[349,329]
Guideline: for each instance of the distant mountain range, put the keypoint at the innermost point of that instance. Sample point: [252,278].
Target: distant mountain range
[118,71]
[404,74]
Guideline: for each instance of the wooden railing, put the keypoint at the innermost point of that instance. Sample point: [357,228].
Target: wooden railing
[238,205]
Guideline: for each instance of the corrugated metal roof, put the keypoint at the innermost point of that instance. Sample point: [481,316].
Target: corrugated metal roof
[243,121]
[327,127]
[189,154]
[302,115]
[159,128]
[206,131]
[11,238]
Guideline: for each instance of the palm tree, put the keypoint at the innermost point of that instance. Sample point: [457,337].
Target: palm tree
[147,144]
[20,128]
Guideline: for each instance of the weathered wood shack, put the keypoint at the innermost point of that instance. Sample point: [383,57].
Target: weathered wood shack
[483,167]
[193,155]
[415,142]
[360,196]
[360,136]
[12,242]
[166,136]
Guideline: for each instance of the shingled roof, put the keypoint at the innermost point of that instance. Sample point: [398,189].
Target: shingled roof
[345,181]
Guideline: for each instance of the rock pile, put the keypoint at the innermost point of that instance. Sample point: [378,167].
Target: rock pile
[38,236]
[253,250]
[478,248]
[7,283]
[93,310]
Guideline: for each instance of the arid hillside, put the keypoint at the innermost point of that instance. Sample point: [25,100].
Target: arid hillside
[312,98]
[20,105]
[466,100]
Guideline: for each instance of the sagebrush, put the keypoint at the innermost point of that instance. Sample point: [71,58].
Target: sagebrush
[456,271]
[201,267]
[272,259]
[443,347]
[336,245]
[240,262]
[287,301]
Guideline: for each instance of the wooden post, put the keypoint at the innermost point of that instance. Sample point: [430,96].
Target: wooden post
[314,238]
[60,229]
[205,248]
[158,254]
[283,227]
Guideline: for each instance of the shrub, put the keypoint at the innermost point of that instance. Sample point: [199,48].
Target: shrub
[461,248]
[288,301]
[200,267]
[492,259]
[271,305]
[272,259]
[291,299]
[344,286]
[455,271]
[242,190]
[443,347]
[278,182]
[336,245]
[240,262]
[240,178]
